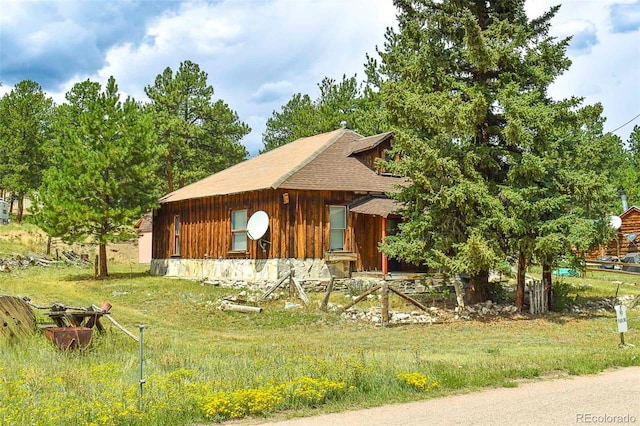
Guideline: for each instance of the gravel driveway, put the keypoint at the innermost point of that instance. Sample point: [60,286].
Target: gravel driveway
[612,397]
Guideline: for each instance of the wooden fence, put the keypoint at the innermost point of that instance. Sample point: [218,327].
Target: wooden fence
[596,266]
[538,302]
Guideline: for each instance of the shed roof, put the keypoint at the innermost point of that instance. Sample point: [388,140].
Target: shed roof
[320,162]
[378,206]
[144,224]
[370,142]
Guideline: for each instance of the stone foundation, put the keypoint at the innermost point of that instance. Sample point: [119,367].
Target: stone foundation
[249,270]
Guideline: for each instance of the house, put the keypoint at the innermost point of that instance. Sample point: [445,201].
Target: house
[627,236]
[144,227]
[325,208]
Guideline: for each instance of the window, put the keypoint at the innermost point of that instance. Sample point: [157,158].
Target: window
[239,230]
[337,226]
[176,235]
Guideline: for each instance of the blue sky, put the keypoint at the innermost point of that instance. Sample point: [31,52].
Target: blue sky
[258,53]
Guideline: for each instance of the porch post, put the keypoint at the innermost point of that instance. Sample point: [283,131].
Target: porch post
[385,260]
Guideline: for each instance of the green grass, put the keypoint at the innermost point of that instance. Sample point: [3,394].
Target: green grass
[205,365]
[21,239]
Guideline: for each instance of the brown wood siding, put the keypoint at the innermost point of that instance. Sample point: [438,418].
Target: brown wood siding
[369,157]
[368,232]
[630,224]
[297,229]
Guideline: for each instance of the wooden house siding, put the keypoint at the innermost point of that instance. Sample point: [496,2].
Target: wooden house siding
[369,157]
[620,246]
[298,226]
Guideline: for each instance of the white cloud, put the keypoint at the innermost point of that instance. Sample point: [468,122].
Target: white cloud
[256,53]
[625,17]
[272,92]
[606,72]
[583,35]
[259,52]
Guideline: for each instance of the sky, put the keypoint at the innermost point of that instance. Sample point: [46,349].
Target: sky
[258,53]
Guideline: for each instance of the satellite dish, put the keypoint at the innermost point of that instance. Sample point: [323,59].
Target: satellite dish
[616,222]
[632,237]
[257,225]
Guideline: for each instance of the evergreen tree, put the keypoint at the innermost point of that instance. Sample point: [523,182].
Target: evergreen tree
[297,119]
[25,115]
[198,136]
[339,103]
[103,168]
[629,172]
[465,84]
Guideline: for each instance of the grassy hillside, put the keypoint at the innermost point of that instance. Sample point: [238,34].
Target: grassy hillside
[26,239]
[201,364]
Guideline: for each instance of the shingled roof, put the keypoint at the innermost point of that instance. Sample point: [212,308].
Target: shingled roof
[320,162]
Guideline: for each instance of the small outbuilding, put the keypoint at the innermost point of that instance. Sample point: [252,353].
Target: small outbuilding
[145,228]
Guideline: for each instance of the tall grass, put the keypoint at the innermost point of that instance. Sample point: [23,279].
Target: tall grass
[201,364]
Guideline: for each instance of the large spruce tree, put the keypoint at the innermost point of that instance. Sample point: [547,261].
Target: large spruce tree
[103,168]
[465,85]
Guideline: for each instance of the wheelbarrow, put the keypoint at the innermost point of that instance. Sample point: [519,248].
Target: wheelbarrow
[67,338]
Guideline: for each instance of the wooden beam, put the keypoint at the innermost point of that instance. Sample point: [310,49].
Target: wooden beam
[325,301]
[362,296]
[409,299]
[301,292]
[272,289]
[385,259]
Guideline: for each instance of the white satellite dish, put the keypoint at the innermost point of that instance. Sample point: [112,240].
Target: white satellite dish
[257,225]
[615,222]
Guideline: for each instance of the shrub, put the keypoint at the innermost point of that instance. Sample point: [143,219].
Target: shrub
[563,295]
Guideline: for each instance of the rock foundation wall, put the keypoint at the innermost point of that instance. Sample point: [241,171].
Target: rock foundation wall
[225,271]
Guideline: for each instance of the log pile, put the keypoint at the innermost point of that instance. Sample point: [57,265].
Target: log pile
[16,262]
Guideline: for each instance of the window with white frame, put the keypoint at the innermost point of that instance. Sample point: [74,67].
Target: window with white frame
[239,230]
[337,227]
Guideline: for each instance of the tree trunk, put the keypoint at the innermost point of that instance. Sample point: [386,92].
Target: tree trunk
[103,261]
[169,163]
[548,289]
[522,267]
[20,208]
[478,290]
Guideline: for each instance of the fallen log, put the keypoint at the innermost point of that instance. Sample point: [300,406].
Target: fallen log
[239,308]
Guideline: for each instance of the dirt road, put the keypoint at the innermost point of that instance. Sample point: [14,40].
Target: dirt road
[612,397]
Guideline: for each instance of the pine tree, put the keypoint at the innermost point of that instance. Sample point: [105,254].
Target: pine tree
[198,136]
[103,168]
[25,120]
[344,103]
[629,172]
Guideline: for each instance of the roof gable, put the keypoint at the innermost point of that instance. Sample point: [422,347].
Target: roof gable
[336,170]
[632,209]
[365,144]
